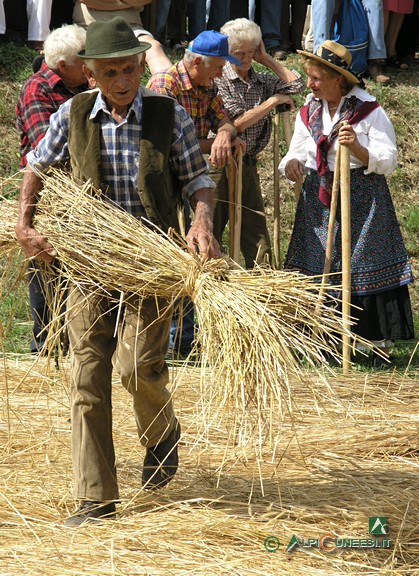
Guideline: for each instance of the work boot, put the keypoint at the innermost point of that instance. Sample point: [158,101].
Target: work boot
[91,511]
[161,461]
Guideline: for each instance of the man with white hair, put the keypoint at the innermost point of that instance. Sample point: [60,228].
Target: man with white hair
[250,98]
[58,79]
[191,82]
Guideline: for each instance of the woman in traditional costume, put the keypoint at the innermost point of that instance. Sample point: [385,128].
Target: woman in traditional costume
[380,268]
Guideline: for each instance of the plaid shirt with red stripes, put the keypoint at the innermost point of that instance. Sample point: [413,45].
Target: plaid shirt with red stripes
[203,104]
[40,96]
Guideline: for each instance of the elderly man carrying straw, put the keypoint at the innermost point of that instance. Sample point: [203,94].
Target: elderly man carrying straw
[132,144]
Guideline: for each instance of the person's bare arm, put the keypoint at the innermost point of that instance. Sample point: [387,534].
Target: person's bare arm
[252,116]
[262,57]
[33,244]
[200,237]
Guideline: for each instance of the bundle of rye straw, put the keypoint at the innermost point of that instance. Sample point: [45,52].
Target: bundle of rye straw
[256,327]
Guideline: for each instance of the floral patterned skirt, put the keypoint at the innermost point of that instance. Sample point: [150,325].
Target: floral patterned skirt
[379,261]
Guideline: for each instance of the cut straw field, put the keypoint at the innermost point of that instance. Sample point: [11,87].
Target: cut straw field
[344,451]
[342,459]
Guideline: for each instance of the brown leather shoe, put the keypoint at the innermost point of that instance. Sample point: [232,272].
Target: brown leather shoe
[376,71]
[90,511]
[161,461]
[277,53]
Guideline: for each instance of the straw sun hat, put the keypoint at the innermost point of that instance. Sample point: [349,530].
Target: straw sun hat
[111,39]
[334,56]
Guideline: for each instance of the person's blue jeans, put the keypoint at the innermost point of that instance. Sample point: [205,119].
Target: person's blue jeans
[197,13]
[218,13]
[42,291]
[39,306]
[322,15]
[376,42]
[207,15]
[182,328]
[162,12]
[270,22]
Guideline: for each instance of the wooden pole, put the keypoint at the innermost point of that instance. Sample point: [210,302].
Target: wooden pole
[277,194]
[345,180]
[331,225]
[231,180]
[286,128]
[238,207]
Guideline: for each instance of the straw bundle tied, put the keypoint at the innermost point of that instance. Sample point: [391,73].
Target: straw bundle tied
[255,327]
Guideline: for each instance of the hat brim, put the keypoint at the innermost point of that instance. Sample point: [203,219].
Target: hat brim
[228,57]
[142,47]
[232,60]
[348,75]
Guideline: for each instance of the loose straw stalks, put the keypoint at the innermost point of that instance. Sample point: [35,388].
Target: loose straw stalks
[255,327]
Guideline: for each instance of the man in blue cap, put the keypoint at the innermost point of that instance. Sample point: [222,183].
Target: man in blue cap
[100,135]
[191,82]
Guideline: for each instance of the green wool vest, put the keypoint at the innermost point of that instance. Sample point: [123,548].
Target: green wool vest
[158,186]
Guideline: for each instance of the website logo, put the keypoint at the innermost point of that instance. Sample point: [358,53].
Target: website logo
[378,530]
[378,525]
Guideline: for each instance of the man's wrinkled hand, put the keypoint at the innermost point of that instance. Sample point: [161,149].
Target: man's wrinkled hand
[200,239]
[220,149]
[34,245]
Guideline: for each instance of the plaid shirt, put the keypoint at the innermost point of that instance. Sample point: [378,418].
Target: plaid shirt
[241,95]
[40,96]
[203,104]
[120,152]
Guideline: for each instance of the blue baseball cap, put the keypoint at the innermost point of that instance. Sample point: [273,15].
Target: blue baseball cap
[212,43]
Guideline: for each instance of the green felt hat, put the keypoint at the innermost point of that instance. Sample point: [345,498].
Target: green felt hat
[111,39]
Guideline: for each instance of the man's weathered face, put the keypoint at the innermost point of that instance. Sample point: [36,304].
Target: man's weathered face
[245,52]
[206,74]
[118,79]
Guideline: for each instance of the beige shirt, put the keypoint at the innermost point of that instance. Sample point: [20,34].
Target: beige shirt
[113,4]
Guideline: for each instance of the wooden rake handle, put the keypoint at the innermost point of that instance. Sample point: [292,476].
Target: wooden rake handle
[231,180]
[345,205]
[277,195]
[235,188]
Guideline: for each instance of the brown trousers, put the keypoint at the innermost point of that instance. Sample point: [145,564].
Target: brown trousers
[254,239]
[137,353]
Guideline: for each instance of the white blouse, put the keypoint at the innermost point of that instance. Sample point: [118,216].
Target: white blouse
[375,132]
